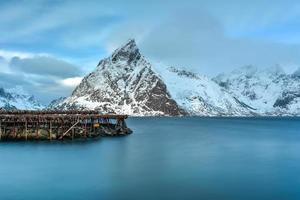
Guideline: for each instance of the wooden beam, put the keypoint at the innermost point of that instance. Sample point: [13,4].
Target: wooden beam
[69,130]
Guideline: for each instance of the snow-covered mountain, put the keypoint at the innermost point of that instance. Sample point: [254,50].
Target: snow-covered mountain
[17,98]
[127,83]
[123,83]
[268,91]
[54,103]
[199,95]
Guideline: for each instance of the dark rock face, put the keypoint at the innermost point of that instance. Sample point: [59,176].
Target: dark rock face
[123,83]
[285,99]
[160,100]
[182,72]
[129,52]
[5,94]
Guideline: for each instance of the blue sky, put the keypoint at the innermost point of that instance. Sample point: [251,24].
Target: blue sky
[47,46]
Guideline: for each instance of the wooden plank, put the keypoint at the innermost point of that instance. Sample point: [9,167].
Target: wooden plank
[69,130]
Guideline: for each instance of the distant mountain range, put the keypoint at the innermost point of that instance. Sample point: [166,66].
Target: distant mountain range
[267,92]
[17,98]
[127,83]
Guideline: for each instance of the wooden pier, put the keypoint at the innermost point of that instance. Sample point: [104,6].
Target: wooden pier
[59,125]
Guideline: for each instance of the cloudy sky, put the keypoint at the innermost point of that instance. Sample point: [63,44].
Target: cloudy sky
[47,46]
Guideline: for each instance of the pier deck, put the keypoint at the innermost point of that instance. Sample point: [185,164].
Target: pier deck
[51,125]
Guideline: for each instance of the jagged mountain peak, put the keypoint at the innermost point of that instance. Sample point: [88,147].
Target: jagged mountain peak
[129,45]
[125,83]
[127,53]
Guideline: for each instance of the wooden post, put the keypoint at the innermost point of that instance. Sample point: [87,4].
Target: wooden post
[91,128]
[85,131]
[56,128]
[26,136]
[50,130]
[73,133]
[15,132]
[37,130]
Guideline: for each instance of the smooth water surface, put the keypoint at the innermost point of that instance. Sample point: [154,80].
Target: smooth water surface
[165,158]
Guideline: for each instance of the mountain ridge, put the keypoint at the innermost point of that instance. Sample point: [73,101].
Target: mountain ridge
[18,98]
[127,83]
[123,83]
[271,92]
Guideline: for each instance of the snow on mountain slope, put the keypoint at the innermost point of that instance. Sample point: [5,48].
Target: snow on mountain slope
[53,104]
[123,83]
[127,83]
[199,95]
[269,91]
[17,98]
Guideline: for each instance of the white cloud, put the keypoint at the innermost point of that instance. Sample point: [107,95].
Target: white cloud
[71,82]
[42,75]
[44,65]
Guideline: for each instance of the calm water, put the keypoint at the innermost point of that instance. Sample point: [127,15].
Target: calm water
[165,158]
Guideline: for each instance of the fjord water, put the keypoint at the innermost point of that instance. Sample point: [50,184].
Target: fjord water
[165,158]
